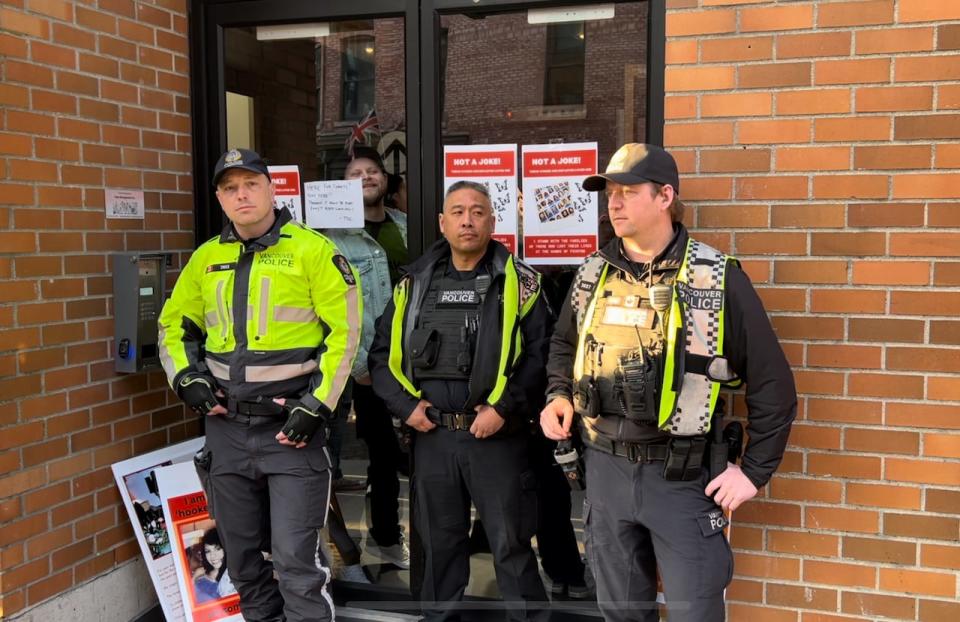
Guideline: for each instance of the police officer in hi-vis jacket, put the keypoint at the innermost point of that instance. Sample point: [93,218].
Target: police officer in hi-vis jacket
[259,336]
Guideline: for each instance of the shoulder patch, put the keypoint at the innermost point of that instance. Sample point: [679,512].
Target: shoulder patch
[529,277]
[344,267]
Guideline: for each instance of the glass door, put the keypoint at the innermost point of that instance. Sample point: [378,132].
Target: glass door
[544,75]
[303,82]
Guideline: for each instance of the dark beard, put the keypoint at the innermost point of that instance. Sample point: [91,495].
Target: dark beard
[374,202]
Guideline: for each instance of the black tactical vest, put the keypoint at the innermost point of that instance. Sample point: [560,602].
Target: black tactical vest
[448,323]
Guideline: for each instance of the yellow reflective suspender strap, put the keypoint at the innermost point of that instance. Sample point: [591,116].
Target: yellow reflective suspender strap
[510,315]
[395,359]
[672,331]
[585,316]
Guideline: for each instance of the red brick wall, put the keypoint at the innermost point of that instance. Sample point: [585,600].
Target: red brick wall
[92,95]
[820,145]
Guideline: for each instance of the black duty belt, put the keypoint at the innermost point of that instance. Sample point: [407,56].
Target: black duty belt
[634,452]
[263,408]
[451,420]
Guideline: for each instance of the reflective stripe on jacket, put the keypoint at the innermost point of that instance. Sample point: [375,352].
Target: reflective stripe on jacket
[279,316]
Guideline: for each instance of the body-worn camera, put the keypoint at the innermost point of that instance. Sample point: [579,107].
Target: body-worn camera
[571,462]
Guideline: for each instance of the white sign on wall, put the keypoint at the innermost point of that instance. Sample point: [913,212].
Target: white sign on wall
[123,203]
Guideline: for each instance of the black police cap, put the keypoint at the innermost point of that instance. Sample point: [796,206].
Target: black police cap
[239,158]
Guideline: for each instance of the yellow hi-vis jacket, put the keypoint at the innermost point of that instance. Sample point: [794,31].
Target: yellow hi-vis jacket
[276,317]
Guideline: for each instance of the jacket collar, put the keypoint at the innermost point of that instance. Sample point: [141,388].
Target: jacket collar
[669,259]
[271,237]
[495,258]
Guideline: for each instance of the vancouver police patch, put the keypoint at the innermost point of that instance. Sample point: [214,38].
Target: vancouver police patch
[712,522]
[458,297]
[705,299]
[344,267]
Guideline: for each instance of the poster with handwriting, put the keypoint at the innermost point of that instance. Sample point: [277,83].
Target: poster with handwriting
[559,216]
[336,204]
[201,561]
[137,482]
[494,166]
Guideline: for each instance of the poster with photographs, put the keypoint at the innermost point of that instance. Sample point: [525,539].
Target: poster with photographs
[494,166]
[286,185]
[136,479]
[559,216]
[199,557]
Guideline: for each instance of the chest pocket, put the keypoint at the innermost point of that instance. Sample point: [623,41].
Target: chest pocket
[365,271]
[279,302]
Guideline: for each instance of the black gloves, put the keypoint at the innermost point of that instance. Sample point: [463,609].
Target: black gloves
[198,391]
[302,422]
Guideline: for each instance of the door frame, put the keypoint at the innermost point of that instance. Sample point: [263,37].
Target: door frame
[209,18]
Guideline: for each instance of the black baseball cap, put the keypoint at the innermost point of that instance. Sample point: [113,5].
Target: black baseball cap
[367,153]
[636,163]
[239,158]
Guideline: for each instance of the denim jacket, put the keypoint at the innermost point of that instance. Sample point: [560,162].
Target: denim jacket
[370,260]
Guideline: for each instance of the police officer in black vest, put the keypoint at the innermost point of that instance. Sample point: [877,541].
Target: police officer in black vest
[655,323]
[458,356]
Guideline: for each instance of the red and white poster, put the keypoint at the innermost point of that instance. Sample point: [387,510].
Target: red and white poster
[141,496]
[201,561]
[494,166]
[286,184]
[559,216]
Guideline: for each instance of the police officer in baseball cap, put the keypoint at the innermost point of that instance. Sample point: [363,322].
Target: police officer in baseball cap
[655,323]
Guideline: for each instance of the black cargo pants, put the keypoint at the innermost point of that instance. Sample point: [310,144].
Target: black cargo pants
[636,521]
[258,482]
[454,468]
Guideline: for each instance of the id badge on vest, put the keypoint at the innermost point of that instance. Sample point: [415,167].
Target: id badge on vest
[627,311]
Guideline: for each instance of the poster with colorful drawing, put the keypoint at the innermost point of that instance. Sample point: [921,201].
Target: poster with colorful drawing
[199,556]
[137,482]
[559,216]
[494,166]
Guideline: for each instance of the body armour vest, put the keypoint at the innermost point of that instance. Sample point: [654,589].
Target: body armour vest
[659,370]
[446,334]
[623,353]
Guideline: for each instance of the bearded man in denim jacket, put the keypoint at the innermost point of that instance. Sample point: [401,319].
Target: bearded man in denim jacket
[377,251]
